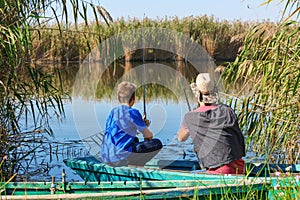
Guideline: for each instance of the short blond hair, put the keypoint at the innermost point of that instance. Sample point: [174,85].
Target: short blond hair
[125,91]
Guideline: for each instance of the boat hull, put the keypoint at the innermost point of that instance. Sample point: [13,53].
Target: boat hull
[91,169]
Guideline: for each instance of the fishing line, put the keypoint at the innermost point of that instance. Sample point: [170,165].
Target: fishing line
[182,84]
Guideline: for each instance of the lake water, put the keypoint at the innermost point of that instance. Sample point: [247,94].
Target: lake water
[68,140]
[166,104]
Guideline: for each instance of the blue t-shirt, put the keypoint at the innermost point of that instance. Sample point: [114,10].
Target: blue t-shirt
[121,129]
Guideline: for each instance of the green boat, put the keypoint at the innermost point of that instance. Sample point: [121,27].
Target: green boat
[271,179]
[91,169]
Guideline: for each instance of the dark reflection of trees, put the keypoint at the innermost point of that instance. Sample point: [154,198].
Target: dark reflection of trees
[112,74]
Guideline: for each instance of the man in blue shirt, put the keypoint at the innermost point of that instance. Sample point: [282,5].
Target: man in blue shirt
[120,145]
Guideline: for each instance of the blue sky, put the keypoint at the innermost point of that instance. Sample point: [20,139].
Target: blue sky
[229,9]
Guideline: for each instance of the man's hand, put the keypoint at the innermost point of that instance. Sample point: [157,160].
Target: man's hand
[148,135]
[147,122]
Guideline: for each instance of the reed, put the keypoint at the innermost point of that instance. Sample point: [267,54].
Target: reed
[27,91]
[222,39]
[269,114]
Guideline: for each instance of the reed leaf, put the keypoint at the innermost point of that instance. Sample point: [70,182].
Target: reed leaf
[27,90]
[274,69]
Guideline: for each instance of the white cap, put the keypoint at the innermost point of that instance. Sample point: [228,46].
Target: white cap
[205,83]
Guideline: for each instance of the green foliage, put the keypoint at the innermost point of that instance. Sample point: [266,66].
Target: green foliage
[269,67]
[27,92]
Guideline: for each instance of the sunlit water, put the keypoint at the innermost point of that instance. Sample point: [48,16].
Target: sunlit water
[165,120]
[66,142]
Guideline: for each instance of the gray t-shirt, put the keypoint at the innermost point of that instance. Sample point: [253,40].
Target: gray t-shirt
[216,136]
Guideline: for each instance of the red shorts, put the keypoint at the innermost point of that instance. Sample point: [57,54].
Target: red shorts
[235,167]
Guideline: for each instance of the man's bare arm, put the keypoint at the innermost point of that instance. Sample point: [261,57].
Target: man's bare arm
[182,135]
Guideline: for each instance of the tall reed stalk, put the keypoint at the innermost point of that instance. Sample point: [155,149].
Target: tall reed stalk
[27,92]
[269,67]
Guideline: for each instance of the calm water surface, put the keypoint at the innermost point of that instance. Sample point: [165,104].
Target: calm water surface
[165,117]
[72,134]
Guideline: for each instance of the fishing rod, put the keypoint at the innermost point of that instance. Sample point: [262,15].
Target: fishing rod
[144,85]
[147,122]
